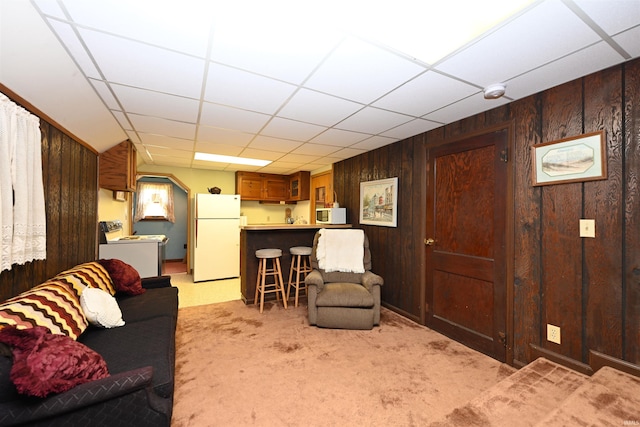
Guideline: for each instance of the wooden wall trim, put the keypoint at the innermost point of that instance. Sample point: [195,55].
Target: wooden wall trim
[599,360]
[26,104]
[537,351]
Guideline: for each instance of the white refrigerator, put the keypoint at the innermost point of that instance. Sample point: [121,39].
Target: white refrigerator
[217,237]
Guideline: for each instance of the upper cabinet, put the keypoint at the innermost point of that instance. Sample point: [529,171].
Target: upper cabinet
[299,186]
[117,167]
[267,187]
[261,186]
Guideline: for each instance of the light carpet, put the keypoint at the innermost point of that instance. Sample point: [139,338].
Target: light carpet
[236,367]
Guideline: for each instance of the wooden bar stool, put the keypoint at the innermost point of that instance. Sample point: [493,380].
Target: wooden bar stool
[262,287]
[300,264]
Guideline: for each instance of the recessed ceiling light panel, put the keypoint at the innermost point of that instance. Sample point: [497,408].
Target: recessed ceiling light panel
[230,159]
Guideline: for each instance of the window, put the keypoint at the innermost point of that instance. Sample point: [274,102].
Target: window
[154,202]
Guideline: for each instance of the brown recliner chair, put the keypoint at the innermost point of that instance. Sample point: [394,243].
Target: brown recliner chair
[343,300]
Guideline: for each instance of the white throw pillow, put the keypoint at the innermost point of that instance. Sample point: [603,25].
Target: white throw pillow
[100,308]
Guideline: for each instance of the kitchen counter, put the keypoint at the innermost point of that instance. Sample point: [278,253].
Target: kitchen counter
[283,226]
[275,236]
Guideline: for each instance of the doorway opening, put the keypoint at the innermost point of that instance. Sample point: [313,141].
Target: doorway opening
[177,249]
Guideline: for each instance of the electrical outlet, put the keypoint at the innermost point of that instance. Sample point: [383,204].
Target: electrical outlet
[553,333]
[587,228]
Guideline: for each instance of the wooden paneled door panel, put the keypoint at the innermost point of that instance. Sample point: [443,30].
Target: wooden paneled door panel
[466,251]
[321,192]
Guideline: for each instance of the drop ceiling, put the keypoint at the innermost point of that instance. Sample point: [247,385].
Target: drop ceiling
[303,84]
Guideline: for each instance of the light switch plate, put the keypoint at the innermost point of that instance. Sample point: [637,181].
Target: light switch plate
[587,228]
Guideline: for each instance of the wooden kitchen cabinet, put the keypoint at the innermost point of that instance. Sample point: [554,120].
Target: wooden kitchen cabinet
[117,167]
[299,186]
[249,185]
[276,188]
[262,186]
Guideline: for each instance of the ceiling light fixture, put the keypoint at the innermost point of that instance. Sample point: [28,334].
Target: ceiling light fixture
[230,159]
[494,91]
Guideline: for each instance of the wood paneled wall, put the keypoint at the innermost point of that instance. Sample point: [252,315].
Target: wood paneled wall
[588,287]
[70,177]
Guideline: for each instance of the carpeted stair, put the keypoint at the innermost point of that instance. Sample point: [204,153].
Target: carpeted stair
[545,393]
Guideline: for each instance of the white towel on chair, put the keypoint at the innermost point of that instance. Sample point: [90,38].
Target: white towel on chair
[341,250]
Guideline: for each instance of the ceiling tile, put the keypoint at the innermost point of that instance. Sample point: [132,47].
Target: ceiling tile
[291,129]
[232,118]
[175,25]
[347,153]
[123,120]
[252,153]
[76,49]
[172,161]
[581,63]
[50,8]
[168,152]
[105,93]
[136,64]
[274,144]
[315,107]
[298,158]
[163,126]
[217,148]
[237,88]
[373,120]
[414,127]
[548,32]
[338,137]
[316,149]
[212,166]
[133,137]
[287,51]
[149,139]
[225,136]
[462,109]
[366,72]
[629,41]
[612,16]
[424,94]
[149,103]
[373,143]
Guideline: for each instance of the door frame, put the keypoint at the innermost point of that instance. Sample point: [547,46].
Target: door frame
[509,225]
[187,190]
[312,192]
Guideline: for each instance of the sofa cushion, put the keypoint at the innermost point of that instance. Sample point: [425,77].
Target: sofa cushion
[148,342]
[344,295]
[54,305]
[100,308]
[91,274]
[44,363]
[125,278]
[153,303]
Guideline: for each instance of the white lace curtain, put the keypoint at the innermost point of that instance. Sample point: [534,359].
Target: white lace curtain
[154,200]
[22,209]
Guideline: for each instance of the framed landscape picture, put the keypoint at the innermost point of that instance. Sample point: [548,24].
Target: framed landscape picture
[576,159]
[379,202]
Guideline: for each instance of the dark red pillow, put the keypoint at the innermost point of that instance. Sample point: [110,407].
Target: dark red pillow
[125,278]
[46,363]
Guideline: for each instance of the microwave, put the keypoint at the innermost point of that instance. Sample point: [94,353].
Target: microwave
[331,216]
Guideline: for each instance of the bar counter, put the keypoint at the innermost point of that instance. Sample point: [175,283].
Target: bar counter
[273,236]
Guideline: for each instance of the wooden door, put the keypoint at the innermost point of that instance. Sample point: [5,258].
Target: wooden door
[321,192]
[466,256]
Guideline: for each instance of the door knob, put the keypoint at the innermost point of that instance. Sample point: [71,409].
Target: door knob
[429,241]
